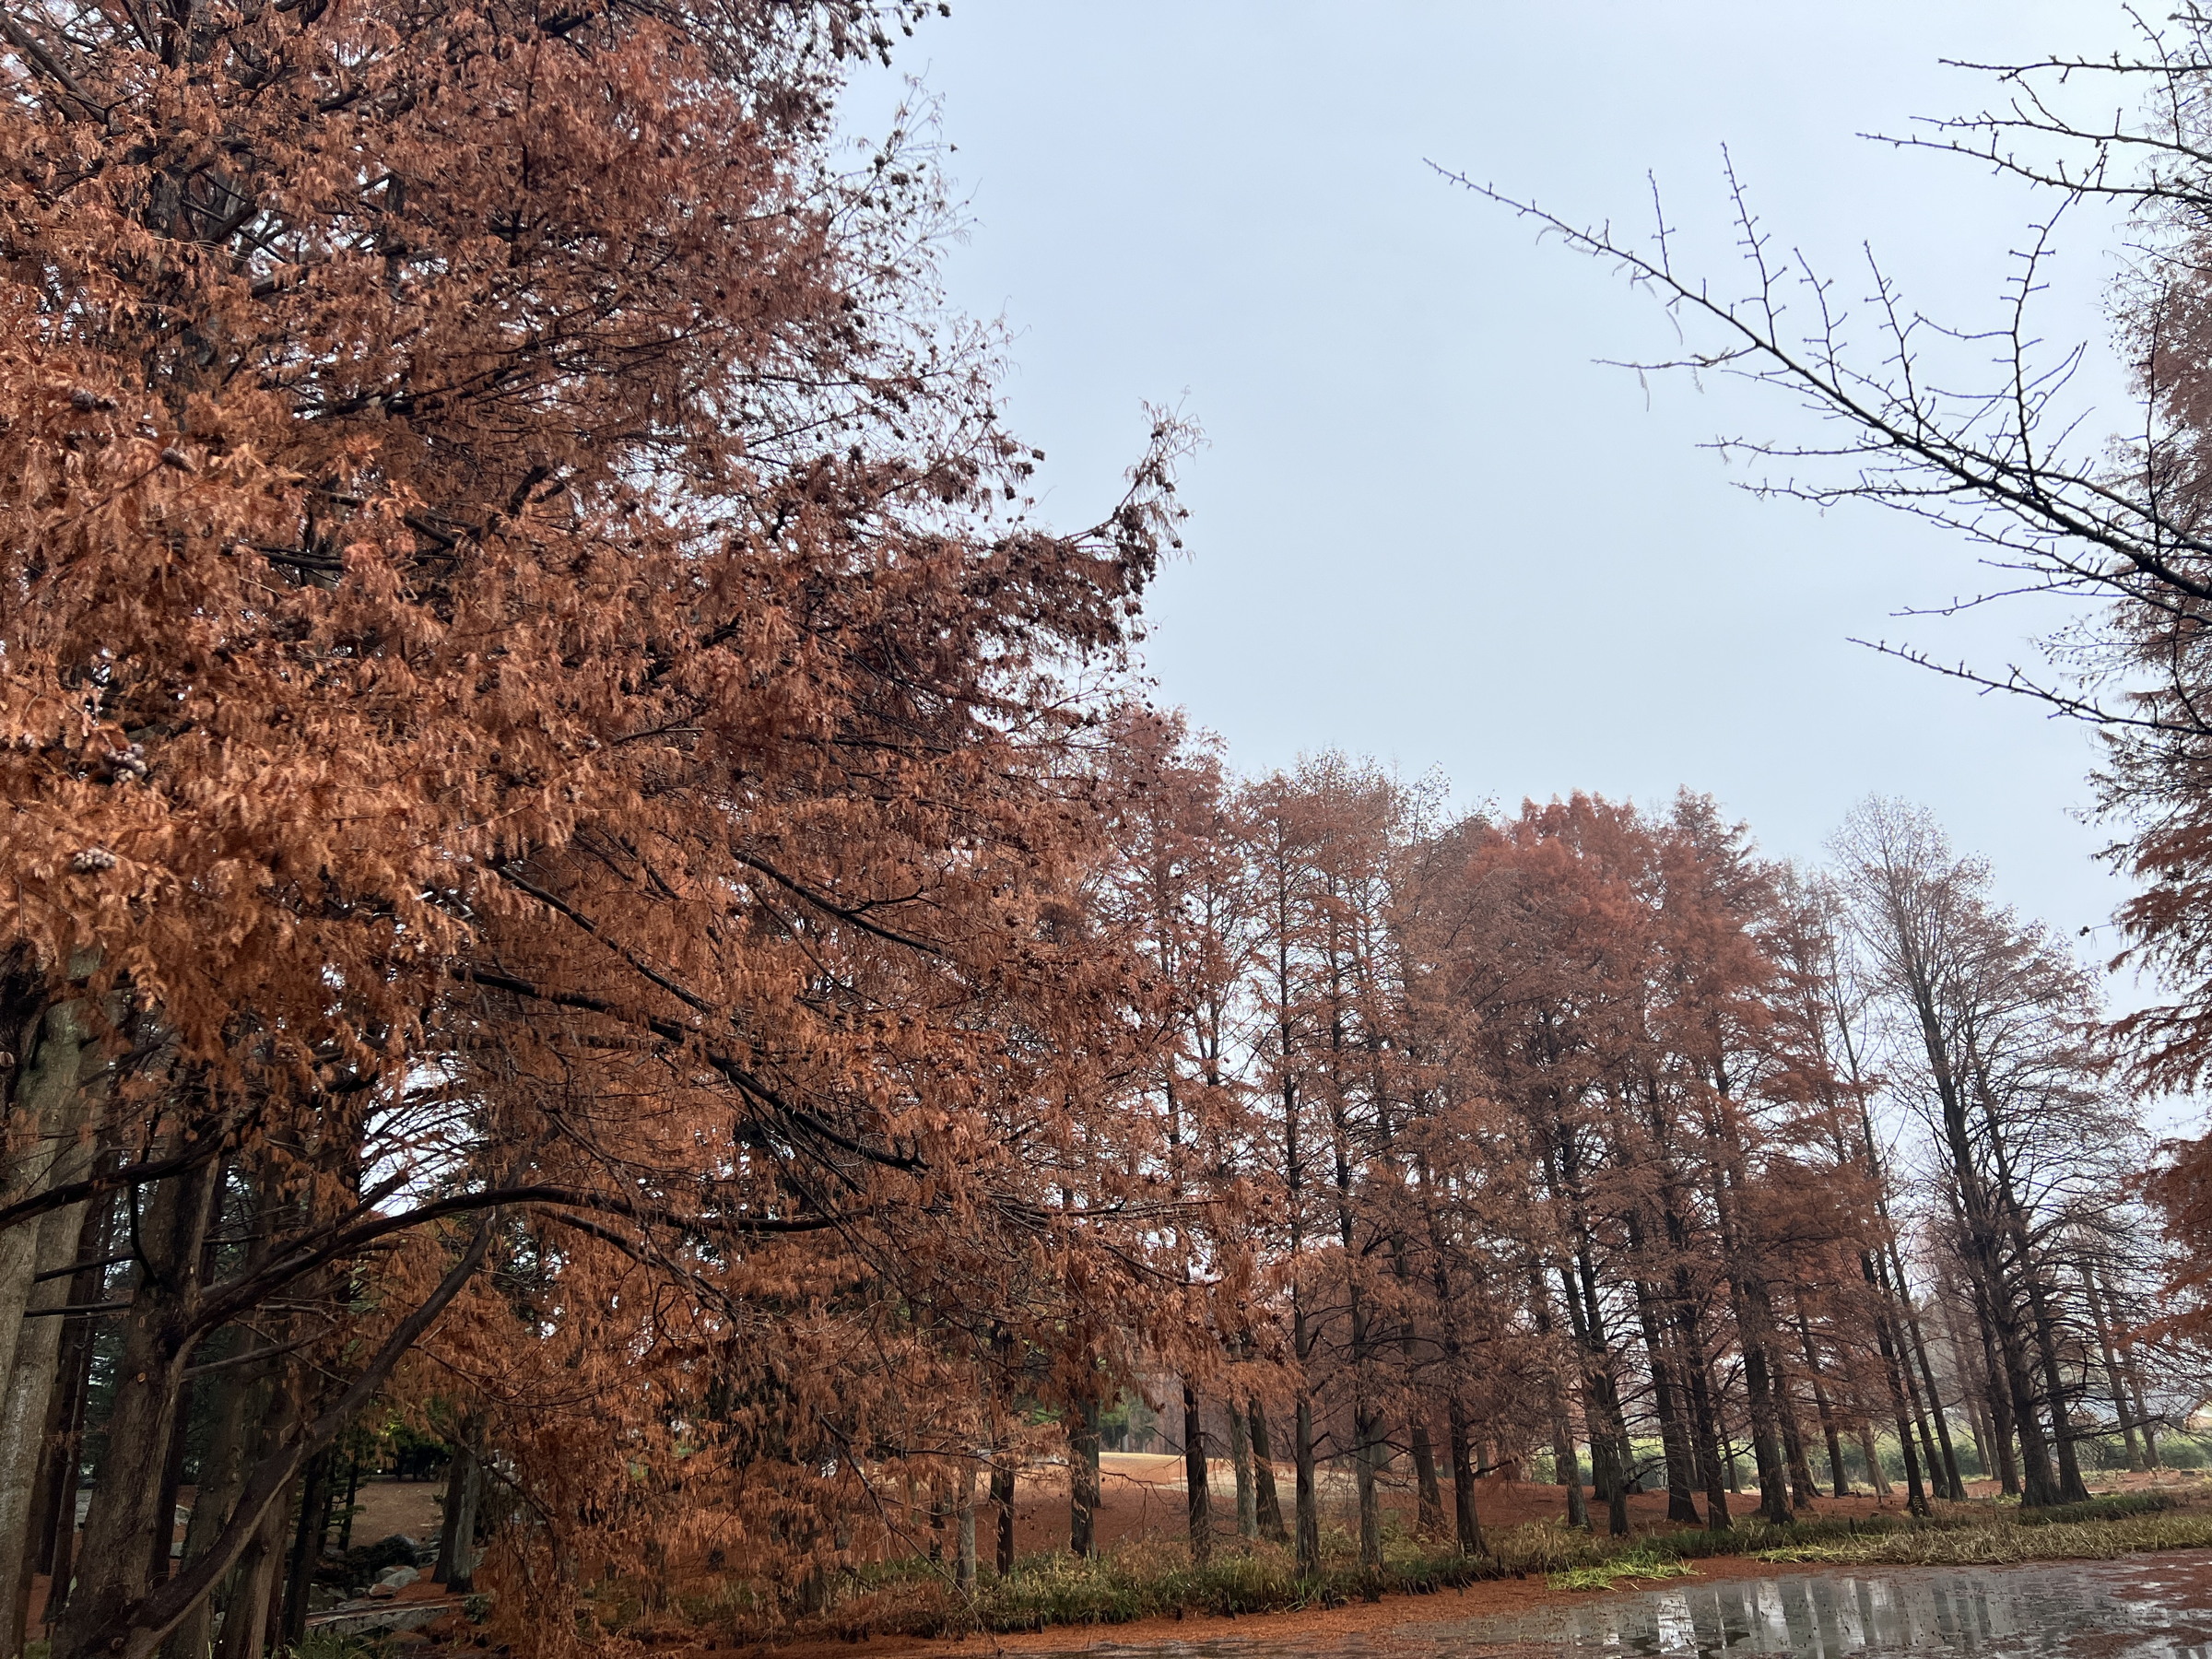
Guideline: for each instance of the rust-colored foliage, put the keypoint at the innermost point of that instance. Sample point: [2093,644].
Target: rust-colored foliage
[533,711]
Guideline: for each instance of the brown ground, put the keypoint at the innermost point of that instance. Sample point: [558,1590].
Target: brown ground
[1142,1492]
[397,1506]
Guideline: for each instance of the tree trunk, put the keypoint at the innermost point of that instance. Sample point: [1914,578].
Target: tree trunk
[1430,1513]
[460,1569]
[1954,1485]
[1916,1496]
[113,1570]
[1083,1479]
[1309,1513]
[2134,1373]
[1002,1497]
[1466,1522]
[1704,1421]
[1974,1387]
[252,1586]
[1999,1399]
[963,1569]
[1240,1463]
[2071,1487]
[2111,1372]
[54,1098]
[1803,1489]
[64,1456]
[314,1527]
[1268,1503]
[1674,1431]
[1870,1451]
[1602,1414]
[28,1395]
[353,1494]
[1838,1481]
[1766,1449]
[231,1439]
[1198,1505]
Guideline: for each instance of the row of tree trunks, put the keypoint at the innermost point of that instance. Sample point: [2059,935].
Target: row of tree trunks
[65,1077]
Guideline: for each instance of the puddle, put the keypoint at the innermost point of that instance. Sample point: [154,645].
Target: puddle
[2105,1610]
[2069,1611]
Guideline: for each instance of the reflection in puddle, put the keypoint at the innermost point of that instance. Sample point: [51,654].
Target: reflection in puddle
[1827,1616]
[2142,1609]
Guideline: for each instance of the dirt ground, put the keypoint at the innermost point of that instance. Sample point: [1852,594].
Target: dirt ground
[397,1506]
[1143,1492]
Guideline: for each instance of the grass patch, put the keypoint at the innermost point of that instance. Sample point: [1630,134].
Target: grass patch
[2117,1506]
[2000,1542]
[1634,1567]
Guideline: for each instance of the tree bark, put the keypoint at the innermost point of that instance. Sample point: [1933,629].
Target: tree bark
[963,1570]
[1308,1513]
[1466,1520]
[1002,1498]
[2113,1382]
[1083,1479]
[1268,1503]
[1239,1460]
[55,1096]
[313,1526]
[112,1571]
[30,1392]
[1198,1502]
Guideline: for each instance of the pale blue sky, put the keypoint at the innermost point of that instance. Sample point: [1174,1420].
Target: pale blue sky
[1427,525]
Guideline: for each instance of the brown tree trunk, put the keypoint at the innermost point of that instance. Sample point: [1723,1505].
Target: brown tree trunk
[232,1438]
[1838,1481]
[1467,1521]
[1308,1499]
[1002,1497]
[57,1553]
[313,1526]
[31,1395]
[164,1541]
[1998,1397]
[1240,1461]
[1601,1394]
[1430,1500]
[1199,1504]
[1268,1503]
[1876,1477]
[1705,1420]
[1674,1431]
[1083,1479]
[1567,1466]
[55,1096]
[252,1588]
[2111,1372]
[1954,1485]
[113,1570]
[1893,1372]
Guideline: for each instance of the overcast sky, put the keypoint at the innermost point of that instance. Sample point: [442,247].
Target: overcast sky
[1427,525]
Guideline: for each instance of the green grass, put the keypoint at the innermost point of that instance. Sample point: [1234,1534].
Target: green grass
[1634,1567]
[2007,1541]
[2116,1507]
